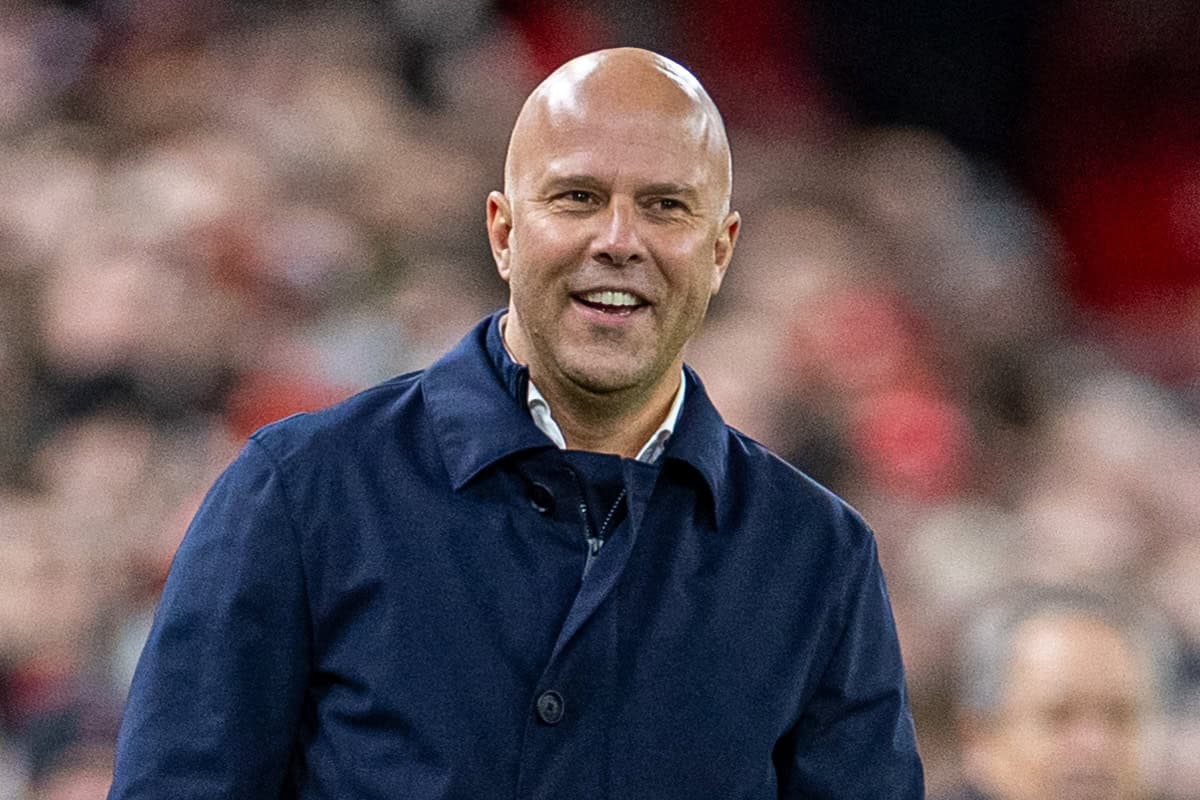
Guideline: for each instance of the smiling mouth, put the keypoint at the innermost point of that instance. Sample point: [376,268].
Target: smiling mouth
[610,301]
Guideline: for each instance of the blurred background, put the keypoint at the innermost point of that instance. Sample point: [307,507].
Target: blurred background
[967,295]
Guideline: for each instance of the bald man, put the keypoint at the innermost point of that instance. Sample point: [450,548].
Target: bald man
[1058,687]
[543,567]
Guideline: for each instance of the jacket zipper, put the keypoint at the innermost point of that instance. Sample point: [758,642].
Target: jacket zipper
[595,540]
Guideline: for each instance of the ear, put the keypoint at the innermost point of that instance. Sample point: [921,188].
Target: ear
[499,226]
[723,248]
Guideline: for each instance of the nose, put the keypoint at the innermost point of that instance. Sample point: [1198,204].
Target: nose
[617,241]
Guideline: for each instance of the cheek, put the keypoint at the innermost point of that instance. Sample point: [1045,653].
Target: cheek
[543,243]
[696,280]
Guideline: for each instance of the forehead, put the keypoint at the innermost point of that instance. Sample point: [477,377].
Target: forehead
[646,143]
[625,115]
[1055,659]
[621,151]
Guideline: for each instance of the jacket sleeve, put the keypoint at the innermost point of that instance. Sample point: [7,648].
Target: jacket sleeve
[217,694]
[855,740]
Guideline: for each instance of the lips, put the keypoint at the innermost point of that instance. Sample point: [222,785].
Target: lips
[610,301]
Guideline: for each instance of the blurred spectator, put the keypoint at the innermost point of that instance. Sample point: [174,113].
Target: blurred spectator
[54,697]
[1058,691]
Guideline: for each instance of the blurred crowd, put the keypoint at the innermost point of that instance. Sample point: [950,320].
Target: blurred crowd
[218,213]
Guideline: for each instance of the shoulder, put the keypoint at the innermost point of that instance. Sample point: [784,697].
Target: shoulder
[753,459]
[379,413]
[754,489]
[759,478]
[815,554]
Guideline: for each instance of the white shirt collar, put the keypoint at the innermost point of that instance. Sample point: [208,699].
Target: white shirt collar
[539,409]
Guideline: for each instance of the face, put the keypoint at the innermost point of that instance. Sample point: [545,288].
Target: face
[613,235]
[1070,723]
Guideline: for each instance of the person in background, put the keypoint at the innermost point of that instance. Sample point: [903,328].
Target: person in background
[1057,690]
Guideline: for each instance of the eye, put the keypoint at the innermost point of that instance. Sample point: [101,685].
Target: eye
[667,204]
[578,196]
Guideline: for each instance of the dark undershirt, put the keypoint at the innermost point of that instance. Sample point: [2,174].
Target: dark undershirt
[600,481]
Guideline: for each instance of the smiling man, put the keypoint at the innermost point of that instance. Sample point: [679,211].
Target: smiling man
[543,567]
[613,233]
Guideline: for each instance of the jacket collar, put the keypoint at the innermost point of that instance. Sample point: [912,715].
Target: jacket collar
[475,396]
[701,439]
[472,395]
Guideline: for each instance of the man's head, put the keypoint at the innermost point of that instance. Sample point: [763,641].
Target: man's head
[613,230]
[1056,688]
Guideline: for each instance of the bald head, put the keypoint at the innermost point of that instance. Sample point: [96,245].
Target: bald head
[621,83]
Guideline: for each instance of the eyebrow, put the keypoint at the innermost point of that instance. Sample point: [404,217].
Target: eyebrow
[685,191]
[571,182]
[667,189]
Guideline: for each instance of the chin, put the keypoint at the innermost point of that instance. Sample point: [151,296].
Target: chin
[603,383]
[607,372]
[609,377]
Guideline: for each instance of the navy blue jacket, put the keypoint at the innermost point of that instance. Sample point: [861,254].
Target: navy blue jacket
[386,599]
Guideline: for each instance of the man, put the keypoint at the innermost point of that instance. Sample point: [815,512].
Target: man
[543,567]
[1056,688]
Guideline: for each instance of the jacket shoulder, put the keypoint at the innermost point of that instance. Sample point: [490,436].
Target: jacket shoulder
[754,467]
[360,419]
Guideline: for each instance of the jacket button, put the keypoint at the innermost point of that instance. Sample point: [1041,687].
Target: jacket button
[541,498]
[550,707]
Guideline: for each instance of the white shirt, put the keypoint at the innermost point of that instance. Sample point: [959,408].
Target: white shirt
[539,409]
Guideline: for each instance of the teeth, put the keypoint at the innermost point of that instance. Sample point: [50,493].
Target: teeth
[611,298]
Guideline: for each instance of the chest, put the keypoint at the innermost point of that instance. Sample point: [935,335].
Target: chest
[471,624]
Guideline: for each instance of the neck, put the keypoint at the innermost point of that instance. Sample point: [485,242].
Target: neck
[618,423]
[609,424]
